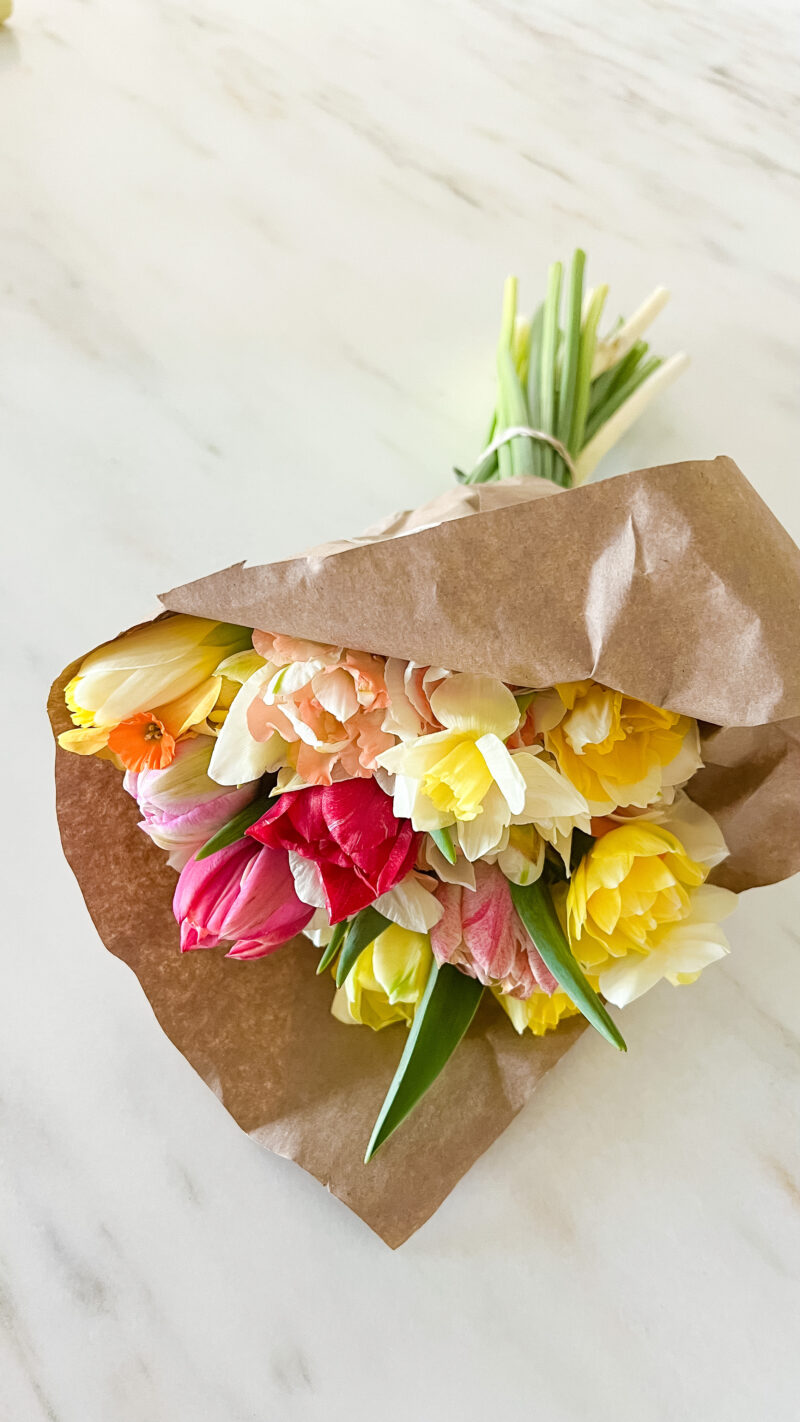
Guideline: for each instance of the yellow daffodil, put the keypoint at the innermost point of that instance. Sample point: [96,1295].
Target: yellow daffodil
[539,1013]
[638,910]
[465,775]
[618,751]
[164,674]
[388,980]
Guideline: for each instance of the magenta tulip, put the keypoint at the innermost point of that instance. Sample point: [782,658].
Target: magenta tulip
[243,895]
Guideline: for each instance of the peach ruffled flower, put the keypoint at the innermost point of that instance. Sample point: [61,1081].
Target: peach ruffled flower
[328,704]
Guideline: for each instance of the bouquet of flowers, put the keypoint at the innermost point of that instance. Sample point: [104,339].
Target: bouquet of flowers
[517,748]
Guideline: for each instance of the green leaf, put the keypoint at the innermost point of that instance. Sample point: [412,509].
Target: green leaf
[619,394]
[333,947]
[235,828]
[364,929]
[537,911]
[443,840]
[448,1006]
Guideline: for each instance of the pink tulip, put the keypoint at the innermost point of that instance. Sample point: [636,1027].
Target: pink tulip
[481,934]
[181,806]
[243,895]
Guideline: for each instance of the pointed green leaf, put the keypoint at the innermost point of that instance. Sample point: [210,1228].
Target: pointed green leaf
[235,828]
[333,947]
[535,907]
[364,929]
[443,1016]
[443,840]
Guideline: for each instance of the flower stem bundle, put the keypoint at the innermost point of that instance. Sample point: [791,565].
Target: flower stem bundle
[559,379]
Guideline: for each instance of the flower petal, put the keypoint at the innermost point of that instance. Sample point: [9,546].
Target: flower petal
[335,691]
[410,904]
[471,701]
[237,757]
[505,773]
[483,834]
[548,794]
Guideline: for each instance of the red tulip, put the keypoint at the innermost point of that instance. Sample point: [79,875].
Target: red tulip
[349,831]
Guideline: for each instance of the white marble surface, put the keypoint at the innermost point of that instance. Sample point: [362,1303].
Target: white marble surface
[256,249]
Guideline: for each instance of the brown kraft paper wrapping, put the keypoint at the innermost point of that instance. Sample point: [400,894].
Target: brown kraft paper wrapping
[674,584]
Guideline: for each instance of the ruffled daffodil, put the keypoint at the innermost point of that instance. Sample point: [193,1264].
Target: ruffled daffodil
[638,910]
[616,750]
[388,980]
[465,775]
[539,1013]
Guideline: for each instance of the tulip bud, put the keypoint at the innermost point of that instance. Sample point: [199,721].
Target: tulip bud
[181,806]
[388,980]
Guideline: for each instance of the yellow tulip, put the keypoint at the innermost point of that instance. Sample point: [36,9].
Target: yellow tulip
[160,663]
[388,980]
[619,751]
[169,669]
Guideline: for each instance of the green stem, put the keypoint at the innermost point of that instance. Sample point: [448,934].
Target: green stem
[547,365]
[585,362]
[572,343]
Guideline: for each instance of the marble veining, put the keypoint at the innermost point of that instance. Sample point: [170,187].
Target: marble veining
[259,248]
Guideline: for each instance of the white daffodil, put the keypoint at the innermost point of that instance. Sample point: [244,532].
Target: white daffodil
[466,776]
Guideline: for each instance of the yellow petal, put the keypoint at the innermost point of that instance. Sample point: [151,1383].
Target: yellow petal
[85,740]
[458,783]
[472,702]
[191,708]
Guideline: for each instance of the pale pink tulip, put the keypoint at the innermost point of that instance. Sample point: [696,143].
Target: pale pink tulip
[480,933]
[181,806]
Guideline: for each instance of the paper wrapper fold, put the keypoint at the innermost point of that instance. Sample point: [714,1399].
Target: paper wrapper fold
[674,584]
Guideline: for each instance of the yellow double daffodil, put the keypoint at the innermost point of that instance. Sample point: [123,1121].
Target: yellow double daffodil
[638,910]
[465,775]
[539,1013]
[619,751]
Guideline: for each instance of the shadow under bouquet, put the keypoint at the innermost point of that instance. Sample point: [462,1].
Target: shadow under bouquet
[475,777]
